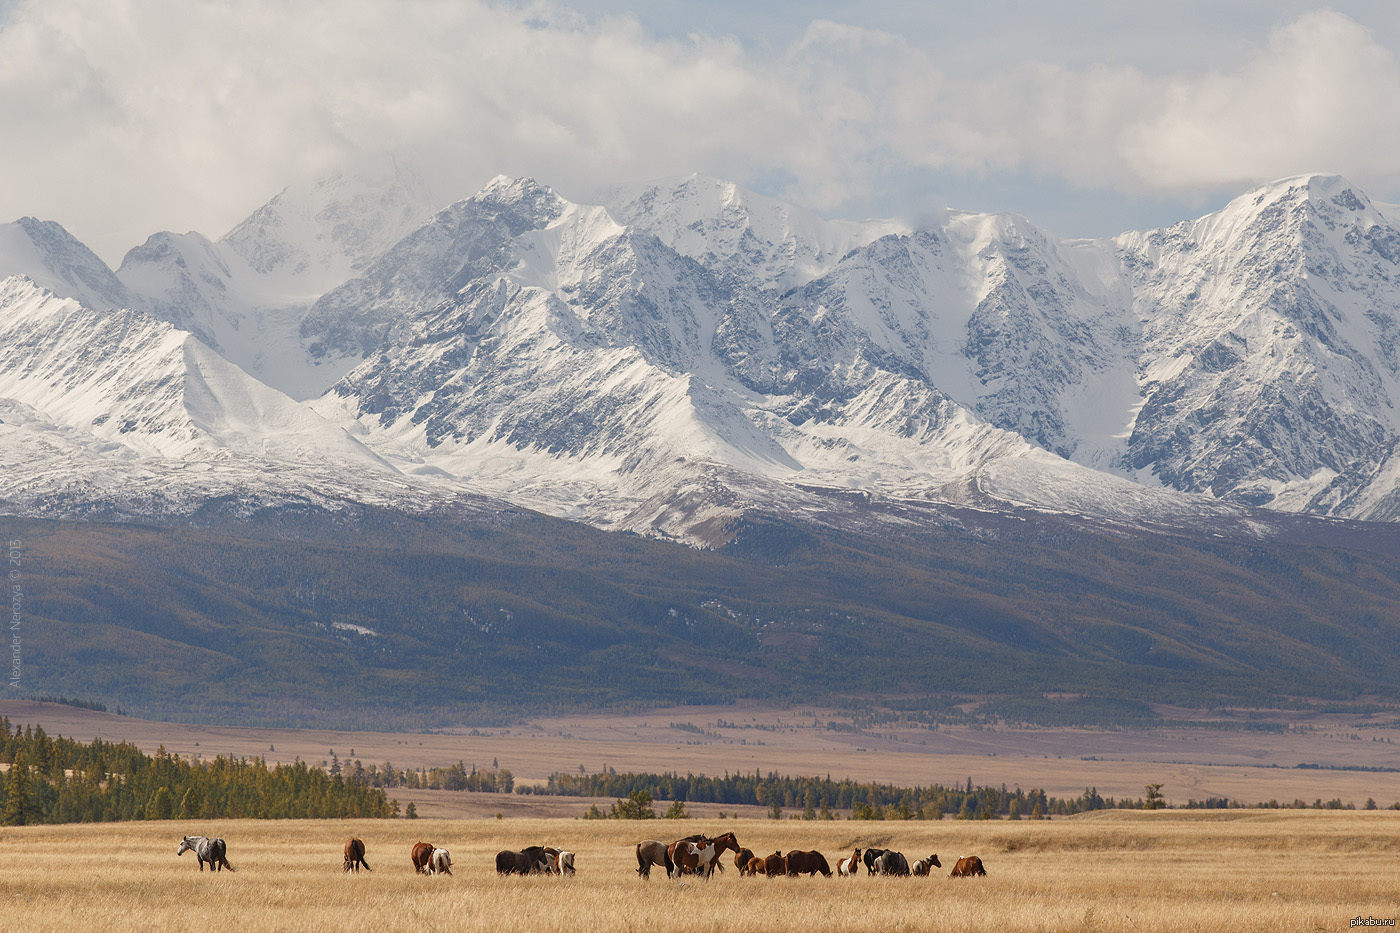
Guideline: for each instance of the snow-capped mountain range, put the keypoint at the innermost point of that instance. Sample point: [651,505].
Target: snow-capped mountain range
[687,350]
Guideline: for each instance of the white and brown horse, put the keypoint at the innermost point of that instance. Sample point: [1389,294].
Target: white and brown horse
[848,867]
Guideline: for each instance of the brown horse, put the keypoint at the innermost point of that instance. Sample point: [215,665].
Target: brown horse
[758,865]
[849,866]
[421,855]
[742,858]
[968,866]
[653,852]
[355,855]
[775,865]
[809,863]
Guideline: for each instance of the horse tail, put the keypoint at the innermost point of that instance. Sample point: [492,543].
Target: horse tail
[641,863]
[670,862]
[366,864]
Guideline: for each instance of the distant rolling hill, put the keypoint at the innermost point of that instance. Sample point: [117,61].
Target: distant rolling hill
[373,617]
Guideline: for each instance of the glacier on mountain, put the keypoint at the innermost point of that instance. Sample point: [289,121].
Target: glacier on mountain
[688,350]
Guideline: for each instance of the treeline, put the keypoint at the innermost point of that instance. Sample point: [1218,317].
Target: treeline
[453,777]
[58,780]
[820,798]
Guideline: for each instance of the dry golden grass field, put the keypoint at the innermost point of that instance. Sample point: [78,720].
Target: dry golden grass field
[1121,871]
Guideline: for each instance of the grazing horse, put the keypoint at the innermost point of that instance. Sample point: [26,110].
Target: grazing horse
[421,854]
[758,865]
[872,860]
[967,866]
[742,858]
[923,866]
[214,851]
[355,855]
[775,865]
[894,863]
[849,866]
[440,863]
[653,852]
[809,863]
[527,861]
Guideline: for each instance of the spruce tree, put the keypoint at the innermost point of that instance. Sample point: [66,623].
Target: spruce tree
[16,812]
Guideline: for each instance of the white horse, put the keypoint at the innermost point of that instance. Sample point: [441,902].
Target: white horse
[564,863]
[440,862]
[214,851]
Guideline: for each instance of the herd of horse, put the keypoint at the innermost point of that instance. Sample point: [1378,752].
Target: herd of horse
[700,855]
[695,855]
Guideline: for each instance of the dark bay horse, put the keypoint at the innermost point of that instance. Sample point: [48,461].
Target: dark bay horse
[214,851]
[355,855]
[809,863]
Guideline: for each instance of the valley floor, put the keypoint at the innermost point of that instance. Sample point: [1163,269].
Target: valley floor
[1191,762]
[1169,870]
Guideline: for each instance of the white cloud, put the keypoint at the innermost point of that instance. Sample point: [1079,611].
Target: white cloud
[120,118]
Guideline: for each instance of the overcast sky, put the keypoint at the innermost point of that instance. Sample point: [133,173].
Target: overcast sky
[118,119]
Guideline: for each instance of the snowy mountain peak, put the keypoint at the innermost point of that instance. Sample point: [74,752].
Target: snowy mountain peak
[54,259]
[771,244]
[316,234]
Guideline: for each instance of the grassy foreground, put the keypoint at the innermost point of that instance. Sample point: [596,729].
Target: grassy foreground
[1203,871]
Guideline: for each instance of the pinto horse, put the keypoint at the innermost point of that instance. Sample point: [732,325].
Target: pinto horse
[847,867]
[440,863]
[214,851]
[653,852]
[923,866]
[700,854]
[355,855]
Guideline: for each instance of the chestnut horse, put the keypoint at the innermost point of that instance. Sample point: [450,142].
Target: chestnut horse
[967,866]
[742,858]
[809,863]
[775,865]
[422,853]
[849,866]
[355,855]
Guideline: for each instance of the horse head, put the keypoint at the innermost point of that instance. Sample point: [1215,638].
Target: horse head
[185,846]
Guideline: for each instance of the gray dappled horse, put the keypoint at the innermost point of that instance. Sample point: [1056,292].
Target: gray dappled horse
[214,851]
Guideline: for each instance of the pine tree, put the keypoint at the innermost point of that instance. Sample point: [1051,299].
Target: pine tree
[161,806]
[16,812]
[192,804]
